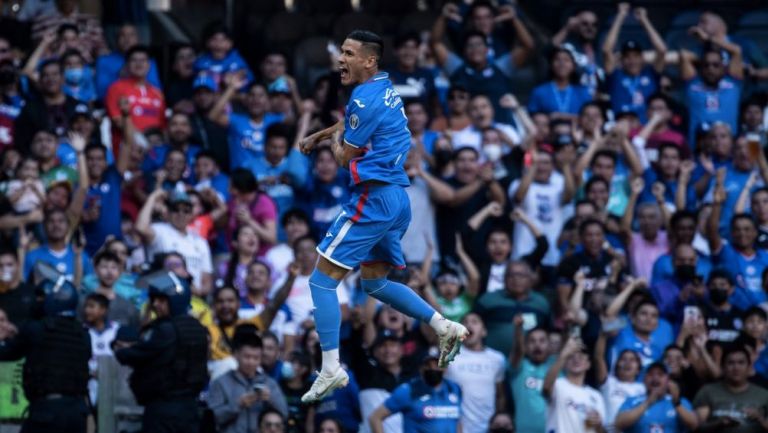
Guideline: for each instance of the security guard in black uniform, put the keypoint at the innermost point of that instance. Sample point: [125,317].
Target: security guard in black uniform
[57,349]
[170,360]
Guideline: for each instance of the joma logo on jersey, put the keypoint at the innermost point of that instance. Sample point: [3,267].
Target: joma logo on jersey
[392,98]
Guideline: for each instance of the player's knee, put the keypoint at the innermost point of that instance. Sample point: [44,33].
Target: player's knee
[372,285]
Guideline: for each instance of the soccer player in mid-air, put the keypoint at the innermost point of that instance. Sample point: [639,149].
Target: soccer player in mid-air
[367,232]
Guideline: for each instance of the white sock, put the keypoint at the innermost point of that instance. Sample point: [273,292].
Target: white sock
[330,362]
[439,323]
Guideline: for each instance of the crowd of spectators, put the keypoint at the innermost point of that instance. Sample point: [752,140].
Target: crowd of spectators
[604,240]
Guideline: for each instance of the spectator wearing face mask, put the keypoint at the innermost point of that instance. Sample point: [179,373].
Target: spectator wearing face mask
[428,403]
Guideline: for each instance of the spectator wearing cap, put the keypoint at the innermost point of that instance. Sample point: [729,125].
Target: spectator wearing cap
[474,70]
[479,371]
[541,194]
[517,297]
[712,92]
[733,404]
[630,81]
[378,370]
[579,36]
[574,407]
[109,67]
[220,58]
[238,397]
[174,235]
[561,96]
[660,408]
[146,102]
[247,131]
[428,403]
[51,111]
[57,251]
[204,131]
[413,82]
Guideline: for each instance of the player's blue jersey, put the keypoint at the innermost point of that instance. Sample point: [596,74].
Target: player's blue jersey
[375,119]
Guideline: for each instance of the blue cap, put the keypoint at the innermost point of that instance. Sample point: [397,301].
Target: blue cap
[204,80]
[279,86]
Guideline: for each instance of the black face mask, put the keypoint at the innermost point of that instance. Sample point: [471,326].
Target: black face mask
[432,377]
[500,430]
[718,296]
[685,272]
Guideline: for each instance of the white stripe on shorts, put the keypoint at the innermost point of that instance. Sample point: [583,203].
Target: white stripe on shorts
[328,253]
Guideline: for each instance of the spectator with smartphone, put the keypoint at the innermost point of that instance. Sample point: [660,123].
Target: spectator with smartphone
[238,397]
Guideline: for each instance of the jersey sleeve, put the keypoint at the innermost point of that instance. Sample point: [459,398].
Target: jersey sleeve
[400,399]
[361,121]
[111,101]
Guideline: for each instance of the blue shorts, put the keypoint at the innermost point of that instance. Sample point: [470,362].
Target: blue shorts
[369,228]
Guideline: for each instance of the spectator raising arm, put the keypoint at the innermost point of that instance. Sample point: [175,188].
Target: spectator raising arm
[636,188]
[144,220]
[218,113]
[542,244]
[440,50]
[492,209]
[659,47]
[713,223]
[273,306]
[741,202]
[683,178]
[570,25]
[473,275]
[30,68]
[572,346]
[687,66]
[439,191]
[510,102]
[527,180]
[736,64]
[609,45]
[129,137]
[523,43]
[75,209]
[518,348]
[578,316]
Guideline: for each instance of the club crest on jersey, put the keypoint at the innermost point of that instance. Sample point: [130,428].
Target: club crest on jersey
[354,121]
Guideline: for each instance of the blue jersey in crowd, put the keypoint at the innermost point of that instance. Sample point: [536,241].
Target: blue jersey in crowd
[661,417]
[649,351]
[748,271]
[216,68]
[108,68]
[106,196]
[426,409]
[375,115]
[64,262]
[155,160]
[710,105]
[246,138]
[630,93]
[547,98]
[734,183]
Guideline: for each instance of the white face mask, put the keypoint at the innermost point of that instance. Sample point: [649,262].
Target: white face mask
[492,151]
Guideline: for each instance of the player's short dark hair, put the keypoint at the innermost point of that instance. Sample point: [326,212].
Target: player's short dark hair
[370,41]
[406,37]
[98,298]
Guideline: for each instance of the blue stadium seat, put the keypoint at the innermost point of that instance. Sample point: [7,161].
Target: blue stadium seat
[756,19]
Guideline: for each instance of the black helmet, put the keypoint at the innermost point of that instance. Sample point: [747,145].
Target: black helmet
[170,286]
[59,297]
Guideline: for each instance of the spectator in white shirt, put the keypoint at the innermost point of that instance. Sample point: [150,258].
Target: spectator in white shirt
[573,406]
[164,237]
[479,371]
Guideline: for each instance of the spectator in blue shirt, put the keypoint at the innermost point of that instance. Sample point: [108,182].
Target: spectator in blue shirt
[179,136]
[282,169]
[221,58]
[662,409]
[630,85]
[713,93]
[57,252]
[674,173]
[640,336]
[208,175]
[246,131]
[429,403]
[110,66]
[325,191]
[560,97]
[474,70]
[682,230]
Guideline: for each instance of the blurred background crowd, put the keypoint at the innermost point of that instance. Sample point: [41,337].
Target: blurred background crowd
[588,185]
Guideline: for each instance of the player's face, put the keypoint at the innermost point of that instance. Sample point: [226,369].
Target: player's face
[353,62]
